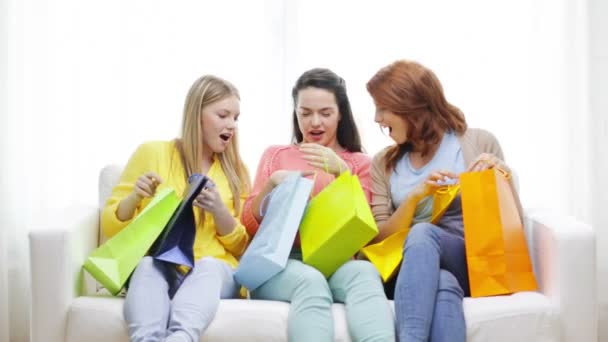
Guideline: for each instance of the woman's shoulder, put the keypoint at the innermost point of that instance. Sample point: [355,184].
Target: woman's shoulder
[358,161]
[273,151]
[281,148]
[380,156]
[155,147]
[479,136]
[475,141]
[359,156]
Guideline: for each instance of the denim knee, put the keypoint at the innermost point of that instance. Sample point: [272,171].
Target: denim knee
[422,232]
[449,283]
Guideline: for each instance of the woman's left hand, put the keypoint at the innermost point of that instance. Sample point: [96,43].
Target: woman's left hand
[323,158]
[486,161]
[210,200]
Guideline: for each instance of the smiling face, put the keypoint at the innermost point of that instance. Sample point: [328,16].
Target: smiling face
[397,126]
[219,122]
[318,116]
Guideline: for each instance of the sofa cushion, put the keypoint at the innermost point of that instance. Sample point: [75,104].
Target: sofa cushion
[526,316]
[95,319]
[522,316]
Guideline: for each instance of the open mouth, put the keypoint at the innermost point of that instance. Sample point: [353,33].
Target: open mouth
[385,127]
[316,133]
[225,136]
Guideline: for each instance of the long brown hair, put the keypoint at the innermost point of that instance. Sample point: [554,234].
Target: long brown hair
[347,132]
[413,92]
[206,90]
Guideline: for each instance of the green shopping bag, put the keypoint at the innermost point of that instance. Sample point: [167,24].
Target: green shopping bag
[336,225]
[112,263]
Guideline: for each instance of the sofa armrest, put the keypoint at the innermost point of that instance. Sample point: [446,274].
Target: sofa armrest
[563,254]
[57,253]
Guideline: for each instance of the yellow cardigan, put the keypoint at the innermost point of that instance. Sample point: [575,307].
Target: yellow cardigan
[163,158]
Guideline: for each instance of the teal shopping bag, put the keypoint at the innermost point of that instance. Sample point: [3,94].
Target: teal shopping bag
[112,263]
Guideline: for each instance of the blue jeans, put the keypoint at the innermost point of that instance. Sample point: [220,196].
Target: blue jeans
[357,284]
[430,286]
[164,305]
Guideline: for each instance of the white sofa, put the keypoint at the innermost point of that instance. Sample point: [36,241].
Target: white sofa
[66,305]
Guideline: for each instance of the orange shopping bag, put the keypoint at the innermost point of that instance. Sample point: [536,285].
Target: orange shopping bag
[497,253]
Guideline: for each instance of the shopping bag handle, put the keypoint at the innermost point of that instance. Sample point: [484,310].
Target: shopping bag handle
[445,189]
[264,202]
[503,172]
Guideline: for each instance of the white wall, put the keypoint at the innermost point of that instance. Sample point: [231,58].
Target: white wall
[88,81]
[510,66]
[599,136]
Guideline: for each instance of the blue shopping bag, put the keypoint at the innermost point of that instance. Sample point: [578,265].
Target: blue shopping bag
[175,246]
[269,250]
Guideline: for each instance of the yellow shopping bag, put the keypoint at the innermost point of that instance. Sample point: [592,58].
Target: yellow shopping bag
[337,223]
[388,254]
[497,254]
[442,198]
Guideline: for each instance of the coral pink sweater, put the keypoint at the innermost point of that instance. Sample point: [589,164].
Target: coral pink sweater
[290,158]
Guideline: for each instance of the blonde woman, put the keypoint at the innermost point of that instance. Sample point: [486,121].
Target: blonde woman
[164,302]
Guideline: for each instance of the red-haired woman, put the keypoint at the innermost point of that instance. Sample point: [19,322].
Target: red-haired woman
[432,146]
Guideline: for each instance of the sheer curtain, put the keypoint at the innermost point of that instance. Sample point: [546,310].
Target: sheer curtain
[89,81]
[507,65]
[4,37]
[599,136]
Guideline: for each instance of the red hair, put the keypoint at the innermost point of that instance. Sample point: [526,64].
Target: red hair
[413,92]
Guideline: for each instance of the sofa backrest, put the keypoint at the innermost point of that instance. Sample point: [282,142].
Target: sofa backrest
[108,178]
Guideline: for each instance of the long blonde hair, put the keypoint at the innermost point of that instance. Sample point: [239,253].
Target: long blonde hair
[206,90]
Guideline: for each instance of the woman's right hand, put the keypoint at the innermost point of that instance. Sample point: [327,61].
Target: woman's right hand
[146,185]
[275,179]
[435,180]
[280,175]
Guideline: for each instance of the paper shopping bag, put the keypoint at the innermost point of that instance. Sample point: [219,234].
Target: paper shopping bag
[176,244]
[497,254]
[112,263]
[336,225]
[387,254]
[269,250]
[442,198]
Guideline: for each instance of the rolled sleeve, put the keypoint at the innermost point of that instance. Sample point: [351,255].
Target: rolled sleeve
[236,241]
